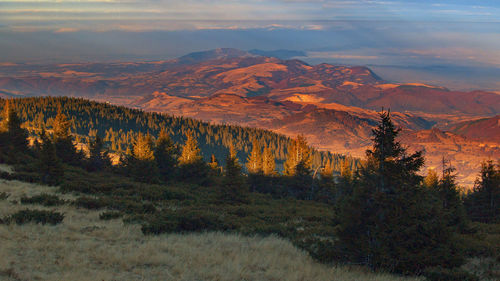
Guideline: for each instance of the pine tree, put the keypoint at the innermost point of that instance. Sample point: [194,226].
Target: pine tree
[98,156]
[15,137]
[345,180]
[63,141]
[166,155]
[448,192]
[142,165]
[483,204]
[192,168]
[326,191]
[254,160]
[431,180]
[214,166]
[50,167]
[268,162]
[301,183]
[234,186]
[143,147]
[390,222]
[191,153]
[298,152]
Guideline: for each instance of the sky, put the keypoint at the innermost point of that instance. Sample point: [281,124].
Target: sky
[402,38]
[140,15]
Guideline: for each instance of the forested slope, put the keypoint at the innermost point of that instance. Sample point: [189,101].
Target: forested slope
[119,126]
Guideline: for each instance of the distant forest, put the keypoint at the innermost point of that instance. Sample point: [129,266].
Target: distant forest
[384,215]
[119,126]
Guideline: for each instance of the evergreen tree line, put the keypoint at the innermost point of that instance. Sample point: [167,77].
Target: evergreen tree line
[388,216]
[396,220]
[160,159]
[119,127]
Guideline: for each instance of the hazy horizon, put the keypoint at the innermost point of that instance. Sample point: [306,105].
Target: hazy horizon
[454,43]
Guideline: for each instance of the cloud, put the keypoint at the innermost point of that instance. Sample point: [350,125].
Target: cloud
[66,29]
[334,55]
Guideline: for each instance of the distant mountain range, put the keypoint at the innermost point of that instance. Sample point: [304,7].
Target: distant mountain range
[335,106]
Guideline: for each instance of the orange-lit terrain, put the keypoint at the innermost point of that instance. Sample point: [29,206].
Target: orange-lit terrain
[334,106]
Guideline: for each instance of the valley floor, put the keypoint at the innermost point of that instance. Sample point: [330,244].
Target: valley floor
[83,247]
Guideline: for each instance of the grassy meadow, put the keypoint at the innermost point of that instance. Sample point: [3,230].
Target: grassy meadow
[84,247]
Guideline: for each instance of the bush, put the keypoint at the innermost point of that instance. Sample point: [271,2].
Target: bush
[444,274]
[36,216]
[193,221]
[110,215]
[43,199]
[21,176]
[89,203]
[123,204]
[4,196]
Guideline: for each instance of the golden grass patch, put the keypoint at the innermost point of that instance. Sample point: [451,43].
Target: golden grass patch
[86,248]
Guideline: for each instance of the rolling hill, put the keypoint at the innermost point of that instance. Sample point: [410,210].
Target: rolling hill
[335,106]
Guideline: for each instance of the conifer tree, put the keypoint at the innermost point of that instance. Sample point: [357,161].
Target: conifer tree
[142,165]
[345,181]
[448,192]
[326,187]
[166,154]
[268,162]
[143,147]
[298,152]
[63,141]
[192,168]
[191,153]
[483,204]
[233,184]
[15,137]
[254,160]
[98,156]
[50,167]
[431,180]
[390,222]
[214,166]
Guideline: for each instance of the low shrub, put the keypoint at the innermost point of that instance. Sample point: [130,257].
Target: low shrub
[43,199]
[89,203]
[36,216]
[445,274]
[21,176]
[4,195]
[192,221]
[110,215]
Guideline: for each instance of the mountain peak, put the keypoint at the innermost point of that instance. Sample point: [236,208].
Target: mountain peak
[219,53]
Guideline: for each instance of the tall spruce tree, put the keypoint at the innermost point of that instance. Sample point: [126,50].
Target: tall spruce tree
[142,165]
[431,180]
[49,165]
[233,186]
[298,165]
[345,180]
[448,192]
[191,153]
[298,152]
[326,190]
[483,204]
[166,154]
[254,160]
[214,166]
[98,156]
[63,140]
[192,168]
[268,162]
[15,137]
[390,222]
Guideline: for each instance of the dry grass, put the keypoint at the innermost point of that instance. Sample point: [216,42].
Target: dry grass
[86,248]
[5,168]
[488,269]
